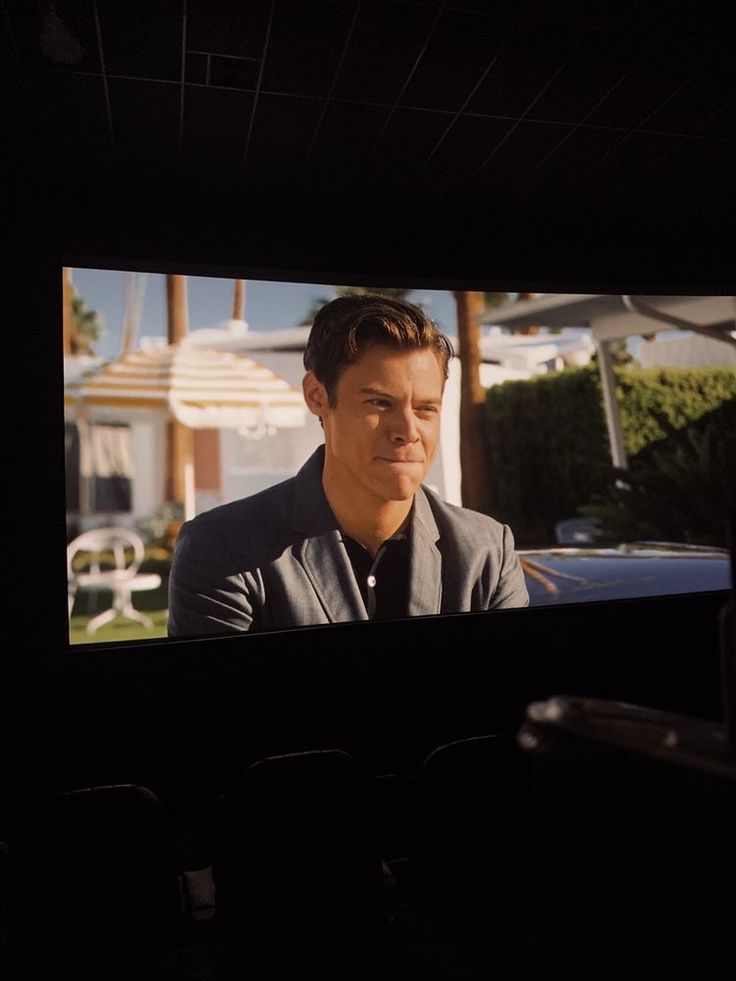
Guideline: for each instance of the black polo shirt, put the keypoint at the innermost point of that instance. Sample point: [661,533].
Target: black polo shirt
[383,580]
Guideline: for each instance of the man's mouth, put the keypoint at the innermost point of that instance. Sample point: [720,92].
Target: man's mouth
[398,461]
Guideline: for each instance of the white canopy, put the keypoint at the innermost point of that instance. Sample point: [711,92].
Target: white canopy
[530,353]
[203,389]
[690,351]
[610,316]
[235,335]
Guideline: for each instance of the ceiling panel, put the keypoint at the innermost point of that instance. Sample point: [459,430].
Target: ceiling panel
[459,51]
[643,92]
[591,73]
[516,157]
[71,117]
[62,36]
[525,65]
[305,46]
[721,124]
[710,165]
[386,42]
[216,125]
[406,142]
[342,146]
[282,131]
[572,104]
[227,27]
[142,39]
[576,152]
[627,163]
[235,73]
[464,148]
[145,120]
[702,106]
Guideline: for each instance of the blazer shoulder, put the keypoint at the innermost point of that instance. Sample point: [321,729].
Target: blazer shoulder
[248,529]
[464,522]
[263,505]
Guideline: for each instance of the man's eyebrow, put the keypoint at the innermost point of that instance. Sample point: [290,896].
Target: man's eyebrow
[387,395]
[375,391]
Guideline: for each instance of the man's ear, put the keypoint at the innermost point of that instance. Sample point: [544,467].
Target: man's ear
[315,394]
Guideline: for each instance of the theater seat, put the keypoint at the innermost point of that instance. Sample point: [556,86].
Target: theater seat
[471,850]
[4,894]
[297,871]
[395,820]
[632,836]
[95,884]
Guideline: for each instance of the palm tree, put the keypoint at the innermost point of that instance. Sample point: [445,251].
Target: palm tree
[475,487]
[395,294]
[180,443]
[527,329]
[81,327]
[319,302]
[67,316]
[134,288]
[238,299]
[474,482]
[88,326]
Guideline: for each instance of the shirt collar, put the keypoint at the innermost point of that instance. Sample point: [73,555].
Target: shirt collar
[401,534]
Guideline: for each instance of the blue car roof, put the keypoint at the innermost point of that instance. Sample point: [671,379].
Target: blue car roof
[573,575]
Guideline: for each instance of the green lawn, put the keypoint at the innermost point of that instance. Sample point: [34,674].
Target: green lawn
[120,629]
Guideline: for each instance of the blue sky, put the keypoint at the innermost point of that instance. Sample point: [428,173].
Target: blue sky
[268,305]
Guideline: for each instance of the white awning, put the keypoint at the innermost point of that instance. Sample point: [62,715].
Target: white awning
[607,315]
[690,351]
[203,389]
[529,352]
[235,335]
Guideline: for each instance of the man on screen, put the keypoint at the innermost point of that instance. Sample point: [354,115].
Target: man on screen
[355,535]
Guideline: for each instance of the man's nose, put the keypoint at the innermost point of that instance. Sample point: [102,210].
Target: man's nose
[405,428]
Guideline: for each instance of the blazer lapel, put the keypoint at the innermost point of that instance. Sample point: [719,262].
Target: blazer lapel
[425,585]
[322,553]
[327,564]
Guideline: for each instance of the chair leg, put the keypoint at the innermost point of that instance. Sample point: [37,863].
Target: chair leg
[109,615]
[123,604]
[96,622]
[122,607]
[131,613]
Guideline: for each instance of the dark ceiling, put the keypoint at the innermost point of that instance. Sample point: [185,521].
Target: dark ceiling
[595,108]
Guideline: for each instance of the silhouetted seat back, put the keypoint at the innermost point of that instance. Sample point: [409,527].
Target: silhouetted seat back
[471,845]
[632,821]
[394,809]
[4,896]
[94,876]
[297,874]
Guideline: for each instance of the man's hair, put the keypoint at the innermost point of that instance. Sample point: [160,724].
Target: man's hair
[344,328]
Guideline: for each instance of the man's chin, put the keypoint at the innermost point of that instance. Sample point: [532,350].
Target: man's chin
[402,490]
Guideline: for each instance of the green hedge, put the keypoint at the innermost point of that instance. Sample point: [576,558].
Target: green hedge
[659,401]
[549,452]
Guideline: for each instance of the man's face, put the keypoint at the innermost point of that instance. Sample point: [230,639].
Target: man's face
[382,433]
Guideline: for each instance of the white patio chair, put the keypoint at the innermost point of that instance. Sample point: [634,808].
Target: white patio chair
[126,548]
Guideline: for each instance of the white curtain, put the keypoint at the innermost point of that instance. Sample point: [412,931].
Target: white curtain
[108,451]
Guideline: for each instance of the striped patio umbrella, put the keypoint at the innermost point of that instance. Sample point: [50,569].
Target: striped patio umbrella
[201,388]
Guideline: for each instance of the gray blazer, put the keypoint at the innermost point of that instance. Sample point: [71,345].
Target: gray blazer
[276,560]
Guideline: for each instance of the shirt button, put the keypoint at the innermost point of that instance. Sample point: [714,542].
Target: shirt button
[372,581]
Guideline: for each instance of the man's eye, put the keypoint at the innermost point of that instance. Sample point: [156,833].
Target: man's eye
[379,402]
[427,408]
